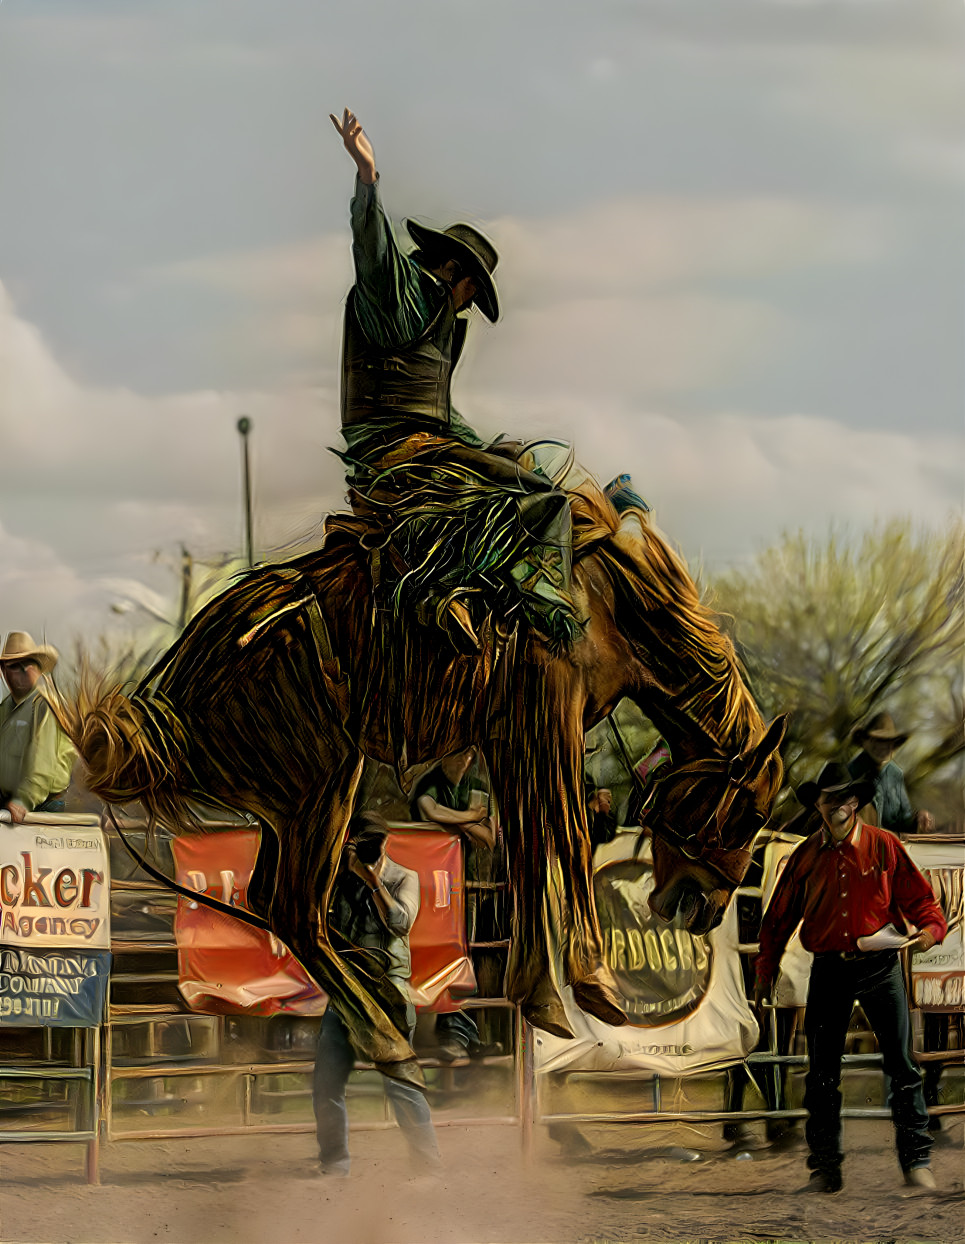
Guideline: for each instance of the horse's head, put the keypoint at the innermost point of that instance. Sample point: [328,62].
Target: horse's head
[704,815]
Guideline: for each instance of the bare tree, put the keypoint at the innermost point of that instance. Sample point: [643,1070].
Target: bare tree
[838,631]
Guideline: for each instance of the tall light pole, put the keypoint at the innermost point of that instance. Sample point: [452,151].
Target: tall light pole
[244,427]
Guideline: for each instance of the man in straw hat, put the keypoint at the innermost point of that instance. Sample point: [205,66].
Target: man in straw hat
[410,455]
[36,757]
[844,883]
[879,739]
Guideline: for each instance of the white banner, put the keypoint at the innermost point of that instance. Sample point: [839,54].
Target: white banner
[937,976]
[791,985]
[55,885]
[683,995]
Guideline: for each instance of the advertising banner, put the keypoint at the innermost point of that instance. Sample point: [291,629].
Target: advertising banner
[938,975]
[55,933]
[442,971]
[683,994]
[53,989]
[791,986]
[54,887]
[224,965]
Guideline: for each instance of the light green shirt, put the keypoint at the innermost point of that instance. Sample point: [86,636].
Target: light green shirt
[36,757]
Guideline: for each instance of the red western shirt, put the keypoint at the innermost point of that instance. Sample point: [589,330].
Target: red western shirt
[843,891]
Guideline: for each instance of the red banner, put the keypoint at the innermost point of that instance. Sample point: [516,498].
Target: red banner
[228,967]
[441,968]
[224,965]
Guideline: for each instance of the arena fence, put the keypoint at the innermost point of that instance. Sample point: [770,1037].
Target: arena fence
[125,1068]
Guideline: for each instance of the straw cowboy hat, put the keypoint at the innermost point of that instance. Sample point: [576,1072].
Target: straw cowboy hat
[881,727]
[835,779]
[19,646]
[471,249]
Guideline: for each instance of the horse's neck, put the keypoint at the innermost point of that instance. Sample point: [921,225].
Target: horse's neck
[680,669]
[686,740]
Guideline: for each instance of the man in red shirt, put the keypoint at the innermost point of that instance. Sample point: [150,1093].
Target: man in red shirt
[845,882]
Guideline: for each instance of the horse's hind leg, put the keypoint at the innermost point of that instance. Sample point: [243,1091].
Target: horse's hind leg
[529,979]
[310,840]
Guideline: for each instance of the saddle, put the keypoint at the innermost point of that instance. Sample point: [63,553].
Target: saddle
[455,536]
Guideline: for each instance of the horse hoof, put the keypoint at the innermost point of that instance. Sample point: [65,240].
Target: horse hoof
[599,1001]
[548,1017]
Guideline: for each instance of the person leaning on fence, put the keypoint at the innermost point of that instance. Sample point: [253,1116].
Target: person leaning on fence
[374,906]
[36,757]
[846,882]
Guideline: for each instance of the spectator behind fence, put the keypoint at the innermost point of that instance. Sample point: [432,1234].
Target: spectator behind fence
[846,882]
[374,905]
[36,757]
[445,797]
[879,739]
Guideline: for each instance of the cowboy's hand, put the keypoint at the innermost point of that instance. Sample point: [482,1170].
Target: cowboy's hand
[924,822]
[924,941]
[762,994]
[356,144]
[17,812]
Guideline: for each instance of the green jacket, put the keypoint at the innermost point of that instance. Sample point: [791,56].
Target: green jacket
[36,757]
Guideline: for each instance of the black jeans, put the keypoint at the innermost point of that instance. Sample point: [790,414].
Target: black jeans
[876,982]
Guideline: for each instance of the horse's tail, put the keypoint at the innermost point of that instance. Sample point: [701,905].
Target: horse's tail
[133,748]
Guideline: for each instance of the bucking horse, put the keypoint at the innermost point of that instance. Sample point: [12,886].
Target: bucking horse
[279,689]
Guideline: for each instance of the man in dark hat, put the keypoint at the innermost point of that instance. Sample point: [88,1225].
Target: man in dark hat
[879,739]
[405,327]
[844,883]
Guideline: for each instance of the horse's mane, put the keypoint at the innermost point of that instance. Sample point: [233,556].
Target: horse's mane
[658,607]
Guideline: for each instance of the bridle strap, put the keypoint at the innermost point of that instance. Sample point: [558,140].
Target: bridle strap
[700,846]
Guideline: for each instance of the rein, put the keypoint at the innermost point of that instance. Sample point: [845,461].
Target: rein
[195,896]
[705,844]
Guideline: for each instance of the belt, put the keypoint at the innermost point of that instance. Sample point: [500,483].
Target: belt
[849,955]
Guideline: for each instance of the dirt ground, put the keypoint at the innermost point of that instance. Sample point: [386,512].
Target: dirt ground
[666,1184]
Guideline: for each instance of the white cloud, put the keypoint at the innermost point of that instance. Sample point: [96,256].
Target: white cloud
[725,485]
[612,314]
[93,479]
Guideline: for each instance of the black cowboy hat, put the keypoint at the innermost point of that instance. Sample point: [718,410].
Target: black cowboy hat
[468,247]
[835,779]
[882,727]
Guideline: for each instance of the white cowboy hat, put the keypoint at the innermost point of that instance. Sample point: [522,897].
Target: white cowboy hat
[19,646]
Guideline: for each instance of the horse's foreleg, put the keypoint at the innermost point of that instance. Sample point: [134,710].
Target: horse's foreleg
[548,713]
[593,985]
[529,979]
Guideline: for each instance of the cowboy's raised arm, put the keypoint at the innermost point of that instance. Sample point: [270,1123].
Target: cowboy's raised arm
[356,144]
[389,302]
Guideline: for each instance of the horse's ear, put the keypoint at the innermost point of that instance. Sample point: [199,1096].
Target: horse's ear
[767,746]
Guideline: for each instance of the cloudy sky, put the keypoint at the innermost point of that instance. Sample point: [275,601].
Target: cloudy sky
[731,241]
